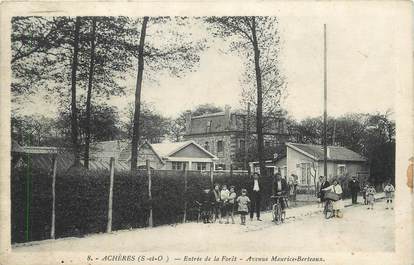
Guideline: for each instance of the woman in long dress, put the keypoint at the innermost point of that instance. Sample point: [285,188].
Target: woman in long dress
[338,205]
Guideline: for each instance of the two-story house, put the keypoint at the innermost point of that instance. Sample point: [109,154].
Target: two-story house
[225,134]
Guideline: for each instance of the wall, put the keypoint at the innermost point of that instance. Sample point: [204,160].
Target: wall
[145,153]
[293,158]
[281,167]
[212,139]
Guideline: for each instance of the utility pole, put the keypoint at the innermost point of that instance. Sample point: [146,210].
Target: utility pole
[325,148]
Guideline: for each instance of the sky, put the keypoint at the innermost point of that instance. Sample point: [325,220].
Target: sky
[361,70]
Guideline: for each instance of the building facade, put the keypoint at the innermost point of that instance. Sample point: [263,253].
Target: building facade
[186,155]
[228,134]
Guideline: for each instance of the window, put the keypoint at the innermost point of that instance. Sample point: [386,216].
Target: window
[284,172]
[201,166]
[177,165]
[206,146]
[341,170]
[305,173]
[220,146]
[242,144]
[267,143]
[220,167]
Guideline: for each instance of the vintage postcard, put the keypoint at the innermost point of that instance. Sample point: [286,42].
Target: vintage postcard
[206,132]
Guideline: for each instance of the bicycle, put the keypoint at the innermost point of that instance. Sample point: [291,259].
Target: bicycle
[328,209]
[278,214]
[329,197]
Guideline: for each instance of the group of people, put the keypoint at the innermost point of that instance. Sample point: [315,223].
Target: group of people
[368,193]
[221,202]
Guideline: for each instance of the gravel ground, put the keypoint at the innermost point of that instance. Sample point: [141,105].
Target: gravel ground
[305,229]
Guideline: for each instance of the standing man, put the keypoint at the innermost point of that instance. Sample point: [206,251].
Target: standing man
[354,188]
[255,197]
[293,183]
[280,188]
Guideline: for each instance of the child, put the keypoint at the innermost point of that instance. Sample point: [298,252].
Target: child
[364,193]
[224,197]
[243,206]
[389,194]
[217,203]
[370,197]
[232,200]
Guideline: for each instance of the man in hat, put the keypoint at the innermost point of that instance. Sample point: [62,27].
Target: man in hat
[354,188]
[324,184]
[280,188]
[255,196]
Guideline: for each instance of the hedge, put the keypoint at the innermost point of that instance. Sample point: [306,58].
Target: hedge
[82,199]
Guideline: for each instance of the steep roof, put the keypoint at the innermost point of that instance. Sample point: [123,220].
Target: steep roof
[168,149]
[234,121]
[337,153]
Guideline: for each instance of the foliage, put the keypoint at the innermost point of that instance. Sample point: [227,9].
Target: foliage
[207,108]
[153,126]
[82,199]
[104,123]
[257,40]
[34,130]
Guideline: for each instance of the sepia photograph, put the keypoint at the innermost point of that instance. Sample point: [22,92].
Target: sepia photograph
[207,134]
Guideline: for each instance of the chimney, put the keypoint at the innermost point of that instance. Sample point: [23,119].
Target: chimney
[187,122]
[227,116]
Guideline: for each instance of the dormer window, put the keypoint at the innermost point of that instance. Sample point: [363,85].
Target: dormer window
[206,146]
[208,129]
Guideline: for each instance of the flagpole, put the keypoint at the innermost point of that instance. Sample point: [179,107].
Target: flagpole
[325,148]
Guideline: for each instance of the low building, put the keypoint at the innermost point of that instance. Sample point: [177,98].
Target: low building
[41,158]
[165,156]
[306,162]
[176,156]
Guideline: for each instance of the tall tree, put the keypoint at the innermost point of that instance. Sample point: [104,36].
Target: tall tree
[89,93]
[135,130]
[74,118]
[167,50]
[256,38]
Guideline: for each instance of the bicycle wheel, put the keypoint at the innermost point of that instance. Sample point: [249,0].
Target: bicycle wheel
[328,210]
[274,213]
[278,214]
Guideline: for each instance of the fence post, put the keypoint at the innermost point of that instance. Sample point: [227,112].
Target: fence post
[111,188]
[212,174]
[150,221]
[52,228]
[185,192]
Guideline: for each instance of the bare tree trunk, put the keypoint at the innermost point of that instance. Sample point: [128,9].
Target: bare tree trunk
[74,117]
[135,132]
[89,95]
[259,110]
